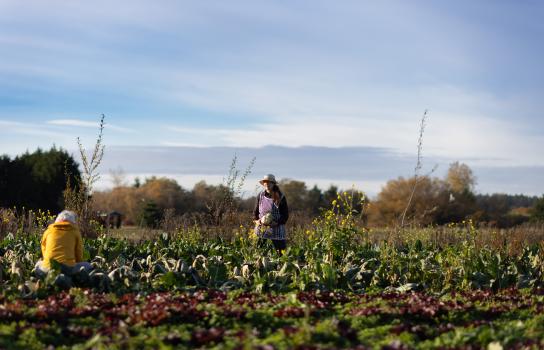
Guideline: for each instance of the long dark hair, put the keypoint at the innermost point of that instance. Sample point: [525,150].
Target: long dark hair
[276,194]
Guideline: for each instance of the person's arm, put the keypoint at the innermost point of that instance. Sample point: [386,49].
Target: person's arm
[284,211]
[44,242]
[256,210]
[79,247]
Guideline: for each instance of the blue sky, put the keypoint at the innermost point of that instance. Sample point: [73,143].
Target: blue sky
[246,74]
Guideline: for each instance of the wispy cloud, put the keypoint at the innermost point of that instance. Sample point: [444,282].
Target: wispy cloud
[201,131]
[183,144]
[87,124]
[472,138]
[9,126]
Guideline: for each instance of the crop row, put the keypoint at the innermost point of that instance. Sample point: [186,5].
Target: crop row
[178,263]
[303,319]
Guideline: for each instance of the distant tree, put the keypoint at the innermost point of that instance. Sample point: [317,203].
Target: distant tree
[537,213]
[166,193]
[5,170]
[520,200]
[460,178]
[314,200]
[504,210]
[493,206]
[330,194]
[428,201]
[151,214]
[205,195]
[126,200]
[247,204]
[461,202]
[118,177]
[295,192]
[37,180]
[459,206]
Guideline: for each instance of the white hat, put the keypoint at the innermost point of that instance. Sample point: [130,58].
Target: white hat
[268,178]
[67,215]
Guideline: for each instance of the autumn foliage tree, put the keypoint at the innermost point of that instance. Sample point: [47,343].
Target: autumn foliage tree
[460,182]
[164,193]
[435,201]
[460,178]
[429,197]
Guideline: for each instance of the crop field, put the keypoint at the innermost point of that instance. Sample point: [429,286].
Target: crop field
[336,286]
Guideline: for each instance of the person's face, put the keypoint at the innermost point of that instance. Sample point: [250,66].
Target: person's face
[268,186]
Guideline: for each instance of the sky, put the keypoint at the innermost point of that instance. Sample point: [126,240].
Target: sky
[339,88]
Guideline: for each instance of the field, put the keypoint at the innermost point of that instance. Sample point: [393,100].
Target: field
[336,286]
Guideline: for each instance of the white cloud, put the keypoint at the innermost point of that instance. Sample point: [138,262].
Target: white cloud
[73,122]
[8,126]
[183,144]
[87,124]
[472,138]
[199,131]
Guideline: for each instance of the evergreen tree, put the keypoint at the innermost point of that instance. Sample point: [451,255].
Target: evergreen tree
[37,180]
[537,213]
[151,215]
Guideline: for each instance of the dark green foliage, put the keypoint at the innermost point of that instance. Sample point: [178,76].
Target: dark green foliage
[36,180]
[315,200]
[459,206]
[496,208]
[5,165]
[296,193]
[498,204]
[151,214]
[537,213]
[330,194]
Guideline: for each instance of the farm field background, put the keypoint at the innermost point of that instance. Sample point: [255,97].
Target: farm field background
[336,286]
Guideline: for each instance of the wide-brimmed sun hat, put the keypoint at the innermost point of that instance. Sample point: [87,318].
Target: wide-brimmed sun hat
[268,178]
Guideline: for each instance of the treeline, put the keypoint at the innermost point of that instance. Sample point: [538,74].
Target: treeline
[37,180]
[434,201]
[142,203]
[451,199]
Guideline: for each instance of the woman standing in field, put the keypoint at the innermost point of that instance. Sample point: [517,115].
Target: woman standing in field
[62,242]
[271,214]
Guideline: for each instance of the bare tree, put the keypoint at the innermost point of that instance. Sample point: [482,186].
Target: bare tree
[118,177]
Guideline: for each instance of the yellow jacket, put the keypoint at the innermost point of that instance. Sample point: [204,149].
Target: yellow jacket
[62,242]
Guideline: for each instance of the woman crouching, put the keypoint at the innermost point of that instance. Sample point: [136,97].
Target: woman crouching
[62,242]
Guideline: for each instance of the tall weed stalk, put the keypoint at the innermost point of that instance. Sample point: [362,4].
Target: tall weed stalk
[226,205]
[78,197]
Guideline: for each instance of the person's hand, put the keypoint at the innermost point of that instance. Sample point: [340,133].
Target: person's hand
[257,222]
